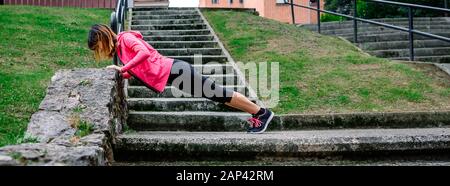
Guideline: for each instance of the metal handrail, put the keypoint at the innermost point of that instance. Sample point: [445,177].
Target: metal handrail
[355,19]
[118,17]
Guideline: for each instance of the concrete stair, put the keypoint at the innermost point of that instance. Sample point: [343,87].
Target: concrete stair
[227,146]
[175,32]
[171,92]
[190,51]
[184,44]
[402,45]
[168,27]
[167,21]
[389,43]
[175,126]
[175,104]
[180,38]
[174,16]
[151,3]
[223,79]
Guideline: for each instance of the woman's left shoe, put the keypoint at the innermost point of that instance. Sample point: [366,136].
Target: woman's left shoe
[259,123]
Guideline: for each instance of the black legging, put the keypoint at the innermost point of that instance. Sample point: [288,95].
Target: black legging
[188,75]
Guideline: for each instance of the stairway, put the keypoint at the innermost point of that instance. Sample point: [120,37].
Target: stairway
[165,128]
[182,33]
[388,43]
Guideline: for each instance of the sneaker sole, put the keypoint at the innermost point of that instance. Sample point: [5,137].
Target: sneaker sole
[265,128]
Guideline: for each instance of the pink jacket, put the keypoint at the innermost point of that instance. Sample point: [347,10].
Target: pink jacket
[142,61]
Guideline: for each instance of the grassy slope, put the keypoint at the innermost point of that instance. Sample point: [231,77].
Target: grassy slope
[324,74]
[35,42]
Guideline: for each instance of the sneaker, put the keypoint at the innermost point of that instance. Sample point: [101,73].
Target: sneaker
[258,124]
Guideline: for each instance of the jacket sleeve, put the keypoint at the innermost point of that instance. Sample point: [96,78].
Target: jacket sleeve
[126,75]
[142,52]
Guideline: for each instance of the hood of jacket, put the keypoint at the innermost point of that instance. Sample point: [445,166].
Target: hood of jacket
[135,33]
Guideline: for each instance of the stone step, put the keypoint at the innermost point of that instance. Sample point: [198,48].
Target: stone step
[180,38]
[214,68]
[151,3]
[420,160]
[435,59]
[175,32]
[384,20]
[172,92]
[169,27]
[403,44]
[188,121]
[183,44]
[322,144]
[161,8]
[368,25]
[164,12]
[155,17]
[394,36]
[201,58]
[405,52]
[176,104]
[444,67]
[389,32]
[166,21]
[336,24]
[190,51]
[380,29]
[222,79]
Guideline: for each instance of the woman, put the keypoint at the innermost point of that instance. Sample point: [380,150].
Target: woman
[156,71]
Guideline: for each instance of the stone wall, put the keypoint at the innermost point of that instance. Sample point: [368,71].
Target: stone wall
[76,123]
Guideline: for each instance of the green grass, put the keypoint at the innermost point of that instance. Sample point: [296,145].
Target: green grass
[323,74]
[84,128]
[35,42]
[331,17]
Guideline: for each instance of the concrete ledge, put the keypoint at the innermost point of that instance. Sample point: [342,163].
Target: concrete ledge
[297,144]
[444,67]
[364,120]
[90,96]
[237,121]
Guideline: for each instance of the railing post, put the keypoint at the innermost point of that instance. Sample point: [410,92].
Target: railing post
[318,16]
[355,23]
[292,12]
[113,25]
[446,7]
[411,34]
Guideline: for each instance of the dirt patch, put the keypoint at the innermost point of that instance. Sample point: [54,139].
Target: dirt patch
[433,71]
[366,67]
[282,45]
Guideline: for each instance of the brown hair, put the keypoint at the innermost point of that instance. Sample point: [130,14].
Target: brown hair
[102,40]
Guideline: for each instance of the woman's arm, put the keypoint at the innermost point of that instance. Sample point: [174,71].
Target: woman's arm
[125,75]
[142,52]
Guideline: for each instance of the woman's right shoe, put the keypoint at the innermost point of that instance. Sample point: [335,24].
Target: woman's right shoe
[259,123]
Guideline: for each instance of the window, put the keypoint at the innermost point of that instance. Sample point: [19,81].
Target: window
[230,1]
[215,1]
[282,1]
[241,1]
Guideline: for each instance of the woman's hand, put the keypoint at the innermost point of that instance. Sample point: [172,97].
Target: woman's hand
[114,67]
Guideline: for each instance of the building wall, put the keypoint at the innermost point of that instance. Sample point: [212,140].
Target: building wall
[270,9]
[65,3]
[221,4]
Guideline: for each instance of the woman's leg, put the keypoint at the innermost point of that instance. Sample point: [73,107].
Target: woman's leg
[218,94]
[208,89]
[241,102]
